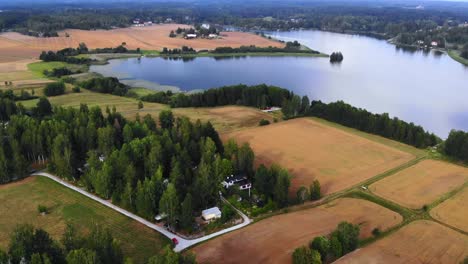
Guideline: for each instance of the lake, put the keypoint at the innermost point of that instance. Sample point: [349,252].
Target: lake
[427,88]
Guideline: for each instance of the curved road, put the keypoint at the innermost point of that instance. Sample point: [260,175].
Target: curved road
[183,243]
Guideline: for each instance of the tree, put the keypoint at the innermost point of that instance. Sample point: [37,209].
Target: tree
[82,256]
[348,235]
[322,245]
[227,213]
[281,190]
[245,159]
[302,194]
[169,204]
[186,212]
[140,105]
[315,191]
[53,89]
[70,239]
[305,255]
[335,247]
[107,249]
[61,158]
[43,107]
[166,119]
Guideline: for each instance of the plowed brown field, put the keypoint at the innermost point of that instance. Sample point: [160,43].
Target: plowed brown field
[274,239]
[419,242]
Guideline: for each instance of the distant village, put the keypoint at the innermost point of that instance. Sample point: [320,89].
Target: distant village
[204,30]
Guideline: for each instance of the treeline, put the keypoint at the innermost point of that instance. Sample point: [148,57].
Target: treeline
[290,48]
[379,124]
[108,85]
[183,50]
[36,246]
[24,95]
[456,145]
[326,249]
[259,96]
[336,57]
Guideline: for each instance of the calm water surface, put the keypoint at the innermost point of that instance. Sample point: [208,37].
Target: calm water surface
[422,87]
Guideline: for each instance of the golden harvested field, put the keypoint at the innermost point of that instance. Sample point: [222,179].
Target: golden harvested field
[225,118]
[17,72]
[21,199]
[274,239]
[421,184]
[454,211]
[313,150]
[14,46]
[419,242]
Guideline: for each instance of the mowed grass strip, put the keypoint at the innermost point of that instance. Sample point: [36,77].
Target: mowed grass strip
[21,199]
[418,242]
[454,211]
[274,239]
[421,184]
[311,150]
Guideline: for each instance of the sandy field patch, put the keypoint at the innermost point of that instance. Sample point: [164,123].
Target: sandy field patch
[274,239]
[14,46]
[454,211]
[418,242]
[312,150]
[421,184]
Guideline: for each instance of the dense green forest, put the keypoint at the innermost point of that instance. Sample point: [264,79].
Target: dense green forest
[456,145]
[175,167]
[36,246]
[380,124]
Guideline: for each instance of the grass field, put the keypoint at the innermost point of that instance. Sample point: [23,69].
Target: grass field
[419,242]
[19,205]
[315,150]
[421,184]
[38,68]
[227,118]
[454,211]
[456,56]
[274,239]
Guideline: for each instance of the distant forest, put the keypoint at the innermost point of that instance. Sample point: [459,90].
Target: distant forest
[409,23]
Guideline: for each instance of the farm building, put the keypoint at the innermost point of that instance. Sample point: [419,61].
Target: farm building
[211,214]
[239,180]
[191,36]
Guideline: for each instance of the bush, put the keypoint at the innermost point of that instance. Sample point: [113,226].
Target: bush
[376,232]
[227,213]
[425,208]
[42,209]
[76,89]
[53,89]
[263,122]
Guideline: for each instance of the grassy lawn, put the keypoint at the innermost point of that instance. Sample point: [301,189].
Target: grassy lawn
[19,205]
[38,68]
[456,56]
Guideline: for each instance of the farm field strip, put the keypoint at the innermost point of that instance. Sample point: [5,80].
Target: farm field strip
[313,150]
[418,242]
[454,210]
[421,184]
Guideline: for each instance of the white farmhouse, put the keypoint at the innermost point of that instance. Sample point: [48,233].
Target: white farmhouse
[211,214]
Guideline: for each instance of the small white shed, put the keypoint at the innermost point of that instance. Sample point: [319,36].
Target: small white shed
[211,214]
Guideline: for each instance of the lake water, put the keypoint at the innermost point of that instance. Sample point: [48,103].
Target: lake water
[427,88]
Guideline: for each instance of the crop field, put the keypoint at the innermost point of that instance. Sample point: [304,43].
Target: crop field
[418,242]
[14,46]
[19,205]
[226,118]
[314,150]
[274,239]
[454,211]
[421,184]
